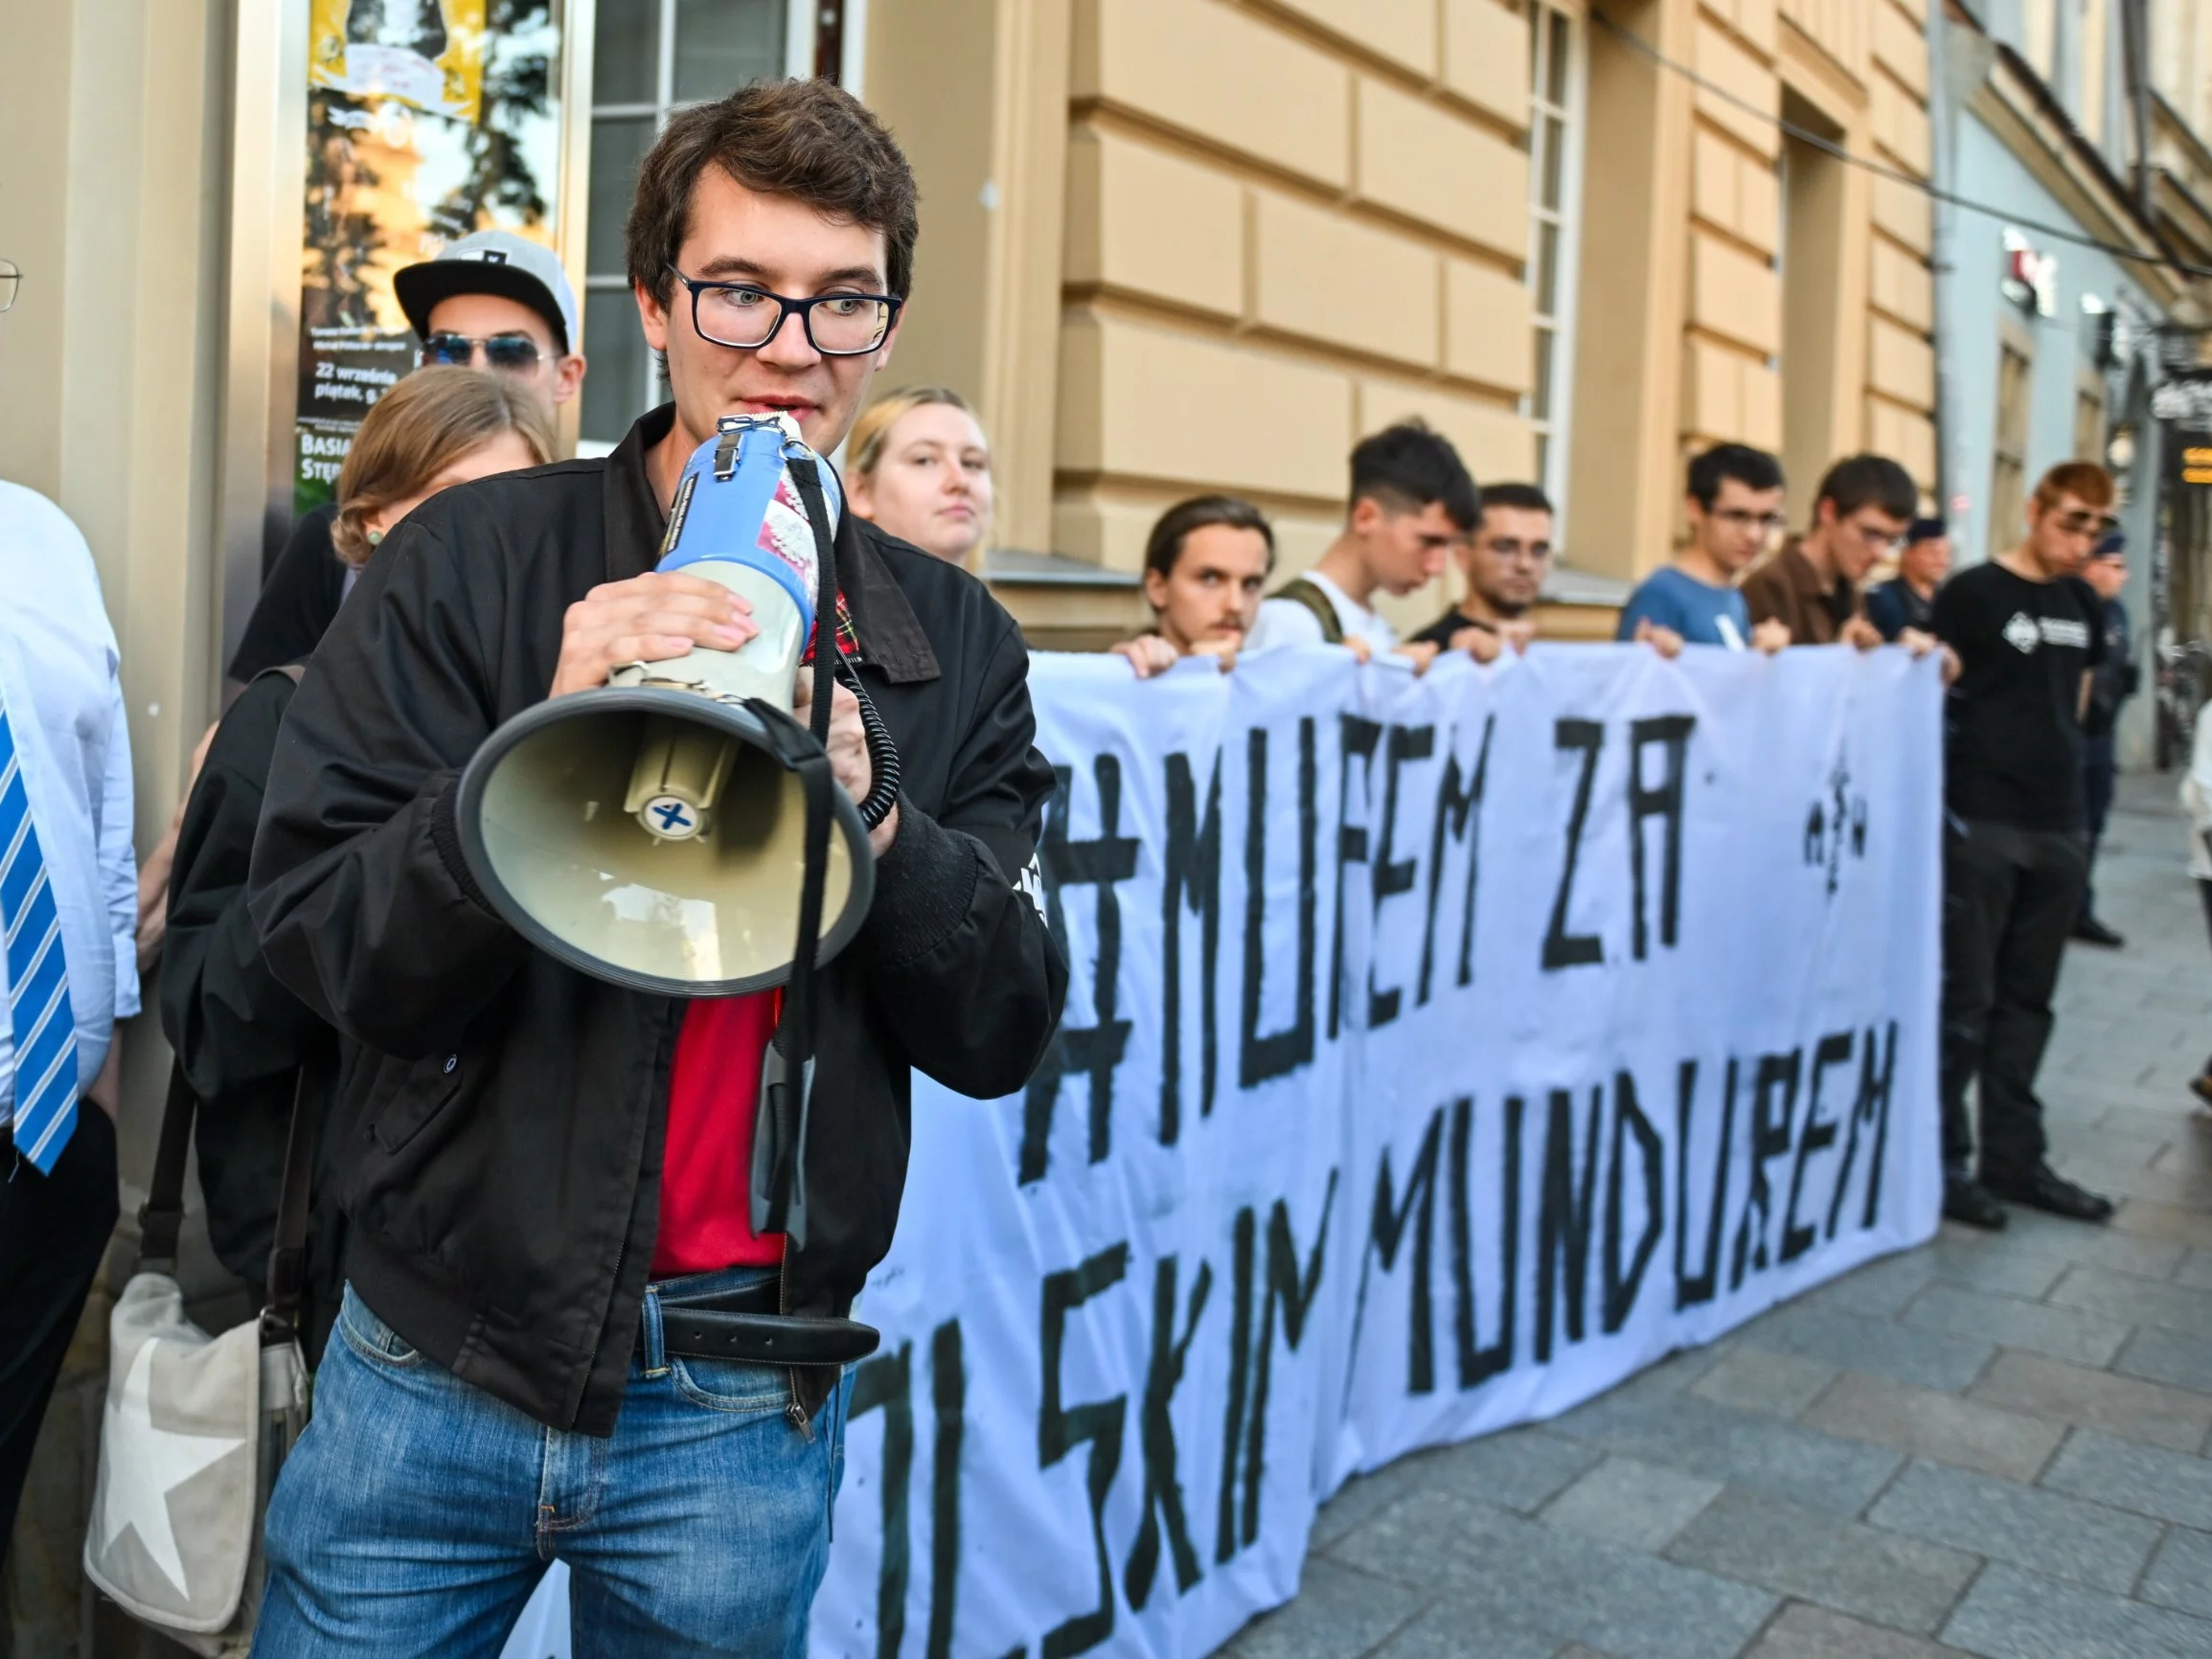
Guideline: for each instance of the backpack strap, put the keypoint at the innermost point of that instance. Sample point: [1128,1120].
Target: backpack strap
[287,1272]
[1299,591]
[161,1218]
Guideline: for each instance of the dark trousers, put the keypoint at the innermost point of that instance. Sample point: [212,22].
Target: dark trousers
[2100,771]
[2009,897]
[54,1229]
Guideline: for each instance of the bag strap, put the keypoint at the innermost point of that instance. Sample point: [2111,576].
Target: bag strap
[161,1218]
[287,1270]
[1299,591]
[778,1182]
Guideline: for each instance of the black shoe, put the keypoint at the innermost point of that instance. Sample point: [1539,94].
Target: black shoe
[2091,931]
[1968,1200]
[2042,1188]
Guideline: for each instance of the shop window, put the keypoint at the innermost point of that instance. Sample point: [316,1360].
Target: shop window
[2009,450]
[1555,139]
[650,59]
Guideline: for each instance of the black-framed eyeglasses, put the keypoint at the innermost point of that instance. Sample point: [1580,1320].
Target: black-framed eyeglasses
[747,316]
[509,353]
[11,283]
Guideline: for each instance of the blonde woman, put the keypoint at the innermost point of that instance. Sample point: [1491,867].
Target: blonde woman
[919,466]
[239,1035]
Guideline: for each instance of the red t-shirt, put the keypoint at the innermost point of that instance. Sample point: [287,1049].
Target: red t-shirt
[706,1170]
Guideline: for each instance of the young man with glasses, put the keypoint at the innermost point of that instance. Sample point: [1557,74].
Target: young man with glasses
[492,300]
[1505,562]
[545,1169]
[1735,509]
[1810,588]
[2015,846]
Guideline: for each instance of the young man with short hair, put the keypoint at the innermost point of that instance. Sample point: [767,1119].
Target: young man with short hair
[1907,598]
[1205,562]
[2014,843]
[2112,683]
[1734,505]
[1505,562]
[1412,500]
[543,1169]
[1810,588]
[492,300]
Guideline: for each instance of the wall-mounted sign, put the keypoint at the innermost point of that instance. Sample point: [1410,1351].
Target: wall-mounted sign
[426,120]
[2186,400]
[2031,279]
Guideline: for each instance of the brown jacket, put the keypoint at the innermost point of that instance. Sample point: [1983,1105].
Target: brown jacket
[1789,589]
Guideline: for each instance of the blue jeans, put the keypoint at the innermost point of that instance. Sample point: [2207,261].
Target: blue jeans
[417,1512]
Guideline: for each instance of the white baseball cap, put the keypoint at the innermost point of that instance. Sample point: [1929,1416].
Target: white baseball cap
[492,262]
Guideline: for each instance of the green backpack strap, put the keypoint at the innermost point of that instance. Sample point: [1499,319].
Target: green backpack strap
[1299,591]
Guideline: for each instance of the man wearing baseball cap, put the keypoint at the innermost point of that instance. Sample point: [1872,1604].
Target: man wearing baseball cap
[492,300]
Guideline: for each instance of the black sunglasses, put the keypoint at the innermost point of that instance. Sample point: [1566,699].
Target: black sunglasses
[509,353]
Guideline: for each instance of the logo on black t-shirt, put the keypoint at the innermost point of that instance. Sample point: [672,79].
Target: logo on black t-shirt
[2021,632]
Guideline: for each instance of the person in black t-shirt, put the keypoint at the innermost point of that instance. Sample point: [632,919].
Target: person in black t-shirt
[1505,561]
[2015,846]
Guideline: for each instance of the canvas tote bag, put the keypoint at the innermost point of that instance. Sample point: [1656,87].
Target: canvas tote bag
[197,1427]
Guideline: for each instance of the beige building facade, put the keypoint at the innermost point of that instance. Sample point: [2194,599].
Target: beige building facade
[1200,244]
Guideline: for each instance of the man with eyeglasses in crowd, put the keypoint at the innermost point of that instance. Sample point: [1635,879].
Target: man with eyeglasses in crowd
[2015,841]
[492,300]
[1810,588]
[547,1174]
[1505,562]
[1735,509]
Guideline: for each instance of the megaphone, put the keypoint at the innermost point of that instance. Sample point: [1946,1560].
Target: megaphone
[653,833]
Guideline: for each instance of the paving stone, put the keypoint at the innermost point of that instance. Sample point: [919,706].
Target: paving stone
[2168,1356]
[1941,1426]
[1451,1630]
[1703,1439]
[2046,1532]
[1496,1566]
[1807,1632]
[2195,1270]
[1522,1469]
[1879,1288]
[1993,1267]
[1628,1501]
[2176,1223]
[2061,1333]
[2128,1475]
[2136,1301]
[1819,1557]
[2014,1615]
[1360,1498]
[2181,1575]
[1927,1358]
[2049,1387]
[1339,1612]
[1756,1379]
[2047,1236]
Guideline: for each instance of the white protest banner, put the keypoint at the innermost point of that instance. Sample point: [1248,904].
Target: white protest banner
[1437,1053]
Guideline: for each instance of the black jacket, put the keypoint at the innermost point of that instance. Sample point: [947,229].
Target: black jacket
[242,1038]
[506,1114]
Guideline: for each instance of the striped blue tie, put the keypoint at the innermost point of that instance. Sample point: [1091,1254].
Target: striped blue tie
[39,1007]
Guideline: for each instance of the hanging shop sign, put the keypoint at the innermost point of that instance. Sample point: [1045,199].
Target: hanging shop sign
[2031,279]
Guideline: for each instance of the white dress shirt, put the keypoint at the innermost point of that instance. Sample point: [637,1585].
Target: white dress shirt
[59,684]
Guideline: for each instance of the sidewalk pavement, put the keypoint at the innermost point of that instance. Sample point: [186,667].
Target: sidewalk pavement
[1993,1445]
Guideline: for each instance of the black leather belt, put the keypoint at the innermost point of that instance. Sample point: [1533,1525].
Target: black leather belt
[744,1325]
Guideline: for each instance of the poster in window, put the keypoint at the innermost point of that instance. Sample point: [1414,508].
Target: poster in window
[426,120]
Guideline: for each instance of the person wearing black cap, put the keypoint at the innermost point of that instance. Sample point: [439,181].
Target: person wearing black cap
[1907,600]
[2112,681]
[493,300]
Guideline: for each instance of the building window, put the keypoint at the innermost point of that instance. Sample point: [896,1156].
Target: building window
[2090,420]
[1555,188]
[650,59]
[2009,462]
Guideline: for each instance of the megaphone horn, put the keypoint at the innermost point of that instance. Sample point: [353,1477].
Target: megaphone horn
[653,833]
